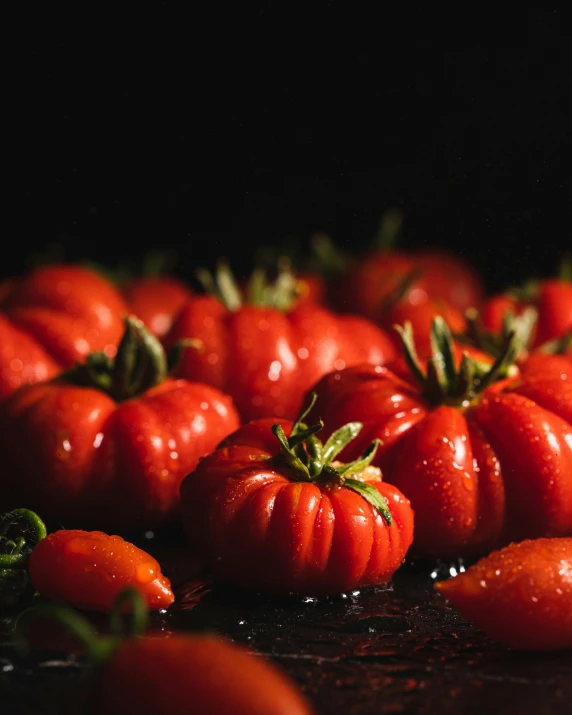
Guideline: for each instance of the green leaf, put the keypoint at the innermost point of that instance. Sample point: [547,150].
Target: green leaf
[288,455]
[410,353]
[362,462]
[372,496]
[299,424]
[339,439]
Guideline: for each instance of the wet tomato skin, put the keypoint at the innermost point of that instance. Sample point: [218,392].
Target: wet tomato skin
[194,674]
[75,455]
[89,569]
[261,531]
[519,595]
[477,477]
[266,359]
[52,318]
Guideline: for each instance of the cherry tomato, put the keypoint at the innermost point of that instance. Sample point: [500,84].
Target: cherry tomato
[88,569]
[53,318]
[520,595]
[484,452]
[108,444]
[279,514]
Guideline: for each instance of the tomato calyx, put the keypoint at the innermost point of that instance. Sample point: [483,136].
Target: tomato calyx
[312,461]
[99,648]
[140,363]
[281,294]
[442,382]
[20,531]
[523,327]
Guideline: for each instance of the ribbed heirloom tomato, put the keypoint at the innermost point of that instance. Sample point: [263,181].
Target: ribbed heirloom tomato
[264,354]
[280,514]
[54,317]
[107,444]
[484,452]
[520,595]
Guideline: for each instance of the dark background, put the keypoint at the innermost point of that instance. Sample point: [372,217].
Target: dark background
[214,133]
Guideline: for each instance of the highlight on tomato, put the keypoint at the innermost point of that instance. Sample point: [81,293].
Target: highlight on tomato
[265,349]
[132,671]
[482,449]
[519,595]
[84,569]
[54,317]
[272,509]
[107,444]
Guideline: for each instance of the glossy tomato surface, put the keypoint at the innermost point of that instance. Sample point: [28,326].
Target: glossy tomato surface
[156,301]
[194,674]
[478,475]
[89,569]
[54,317]
[263,531]
[520,595]
[266,359]
[74,454]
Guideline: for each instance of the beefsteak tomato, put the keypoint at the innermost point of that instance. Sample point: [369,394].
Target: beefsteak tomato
[520,595]
[107,444]
[54,317]
[279,514]
[264,354]
[483,451]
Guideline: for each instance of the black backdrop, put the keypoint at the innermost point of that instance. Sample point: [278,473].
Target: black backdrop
[217,132]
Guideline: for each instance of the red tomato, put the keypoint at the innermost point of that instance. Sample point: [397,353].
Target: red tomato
[520,595]
[88,570]
[421,317]
[53,318]
[156,300]
[194,674]
[551,298]
[311,288]
[266,358]
[378,274]
[281,518]
[109,444]
[484,456]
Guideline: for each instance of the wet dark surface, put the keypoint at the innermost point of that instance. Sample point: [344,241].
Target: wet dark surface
[398,649]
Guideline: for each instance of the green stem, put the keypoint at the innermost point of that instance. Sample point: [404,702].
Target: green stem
[389,230]
[98,648]
[140,363]
[443,382]
[311,461]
